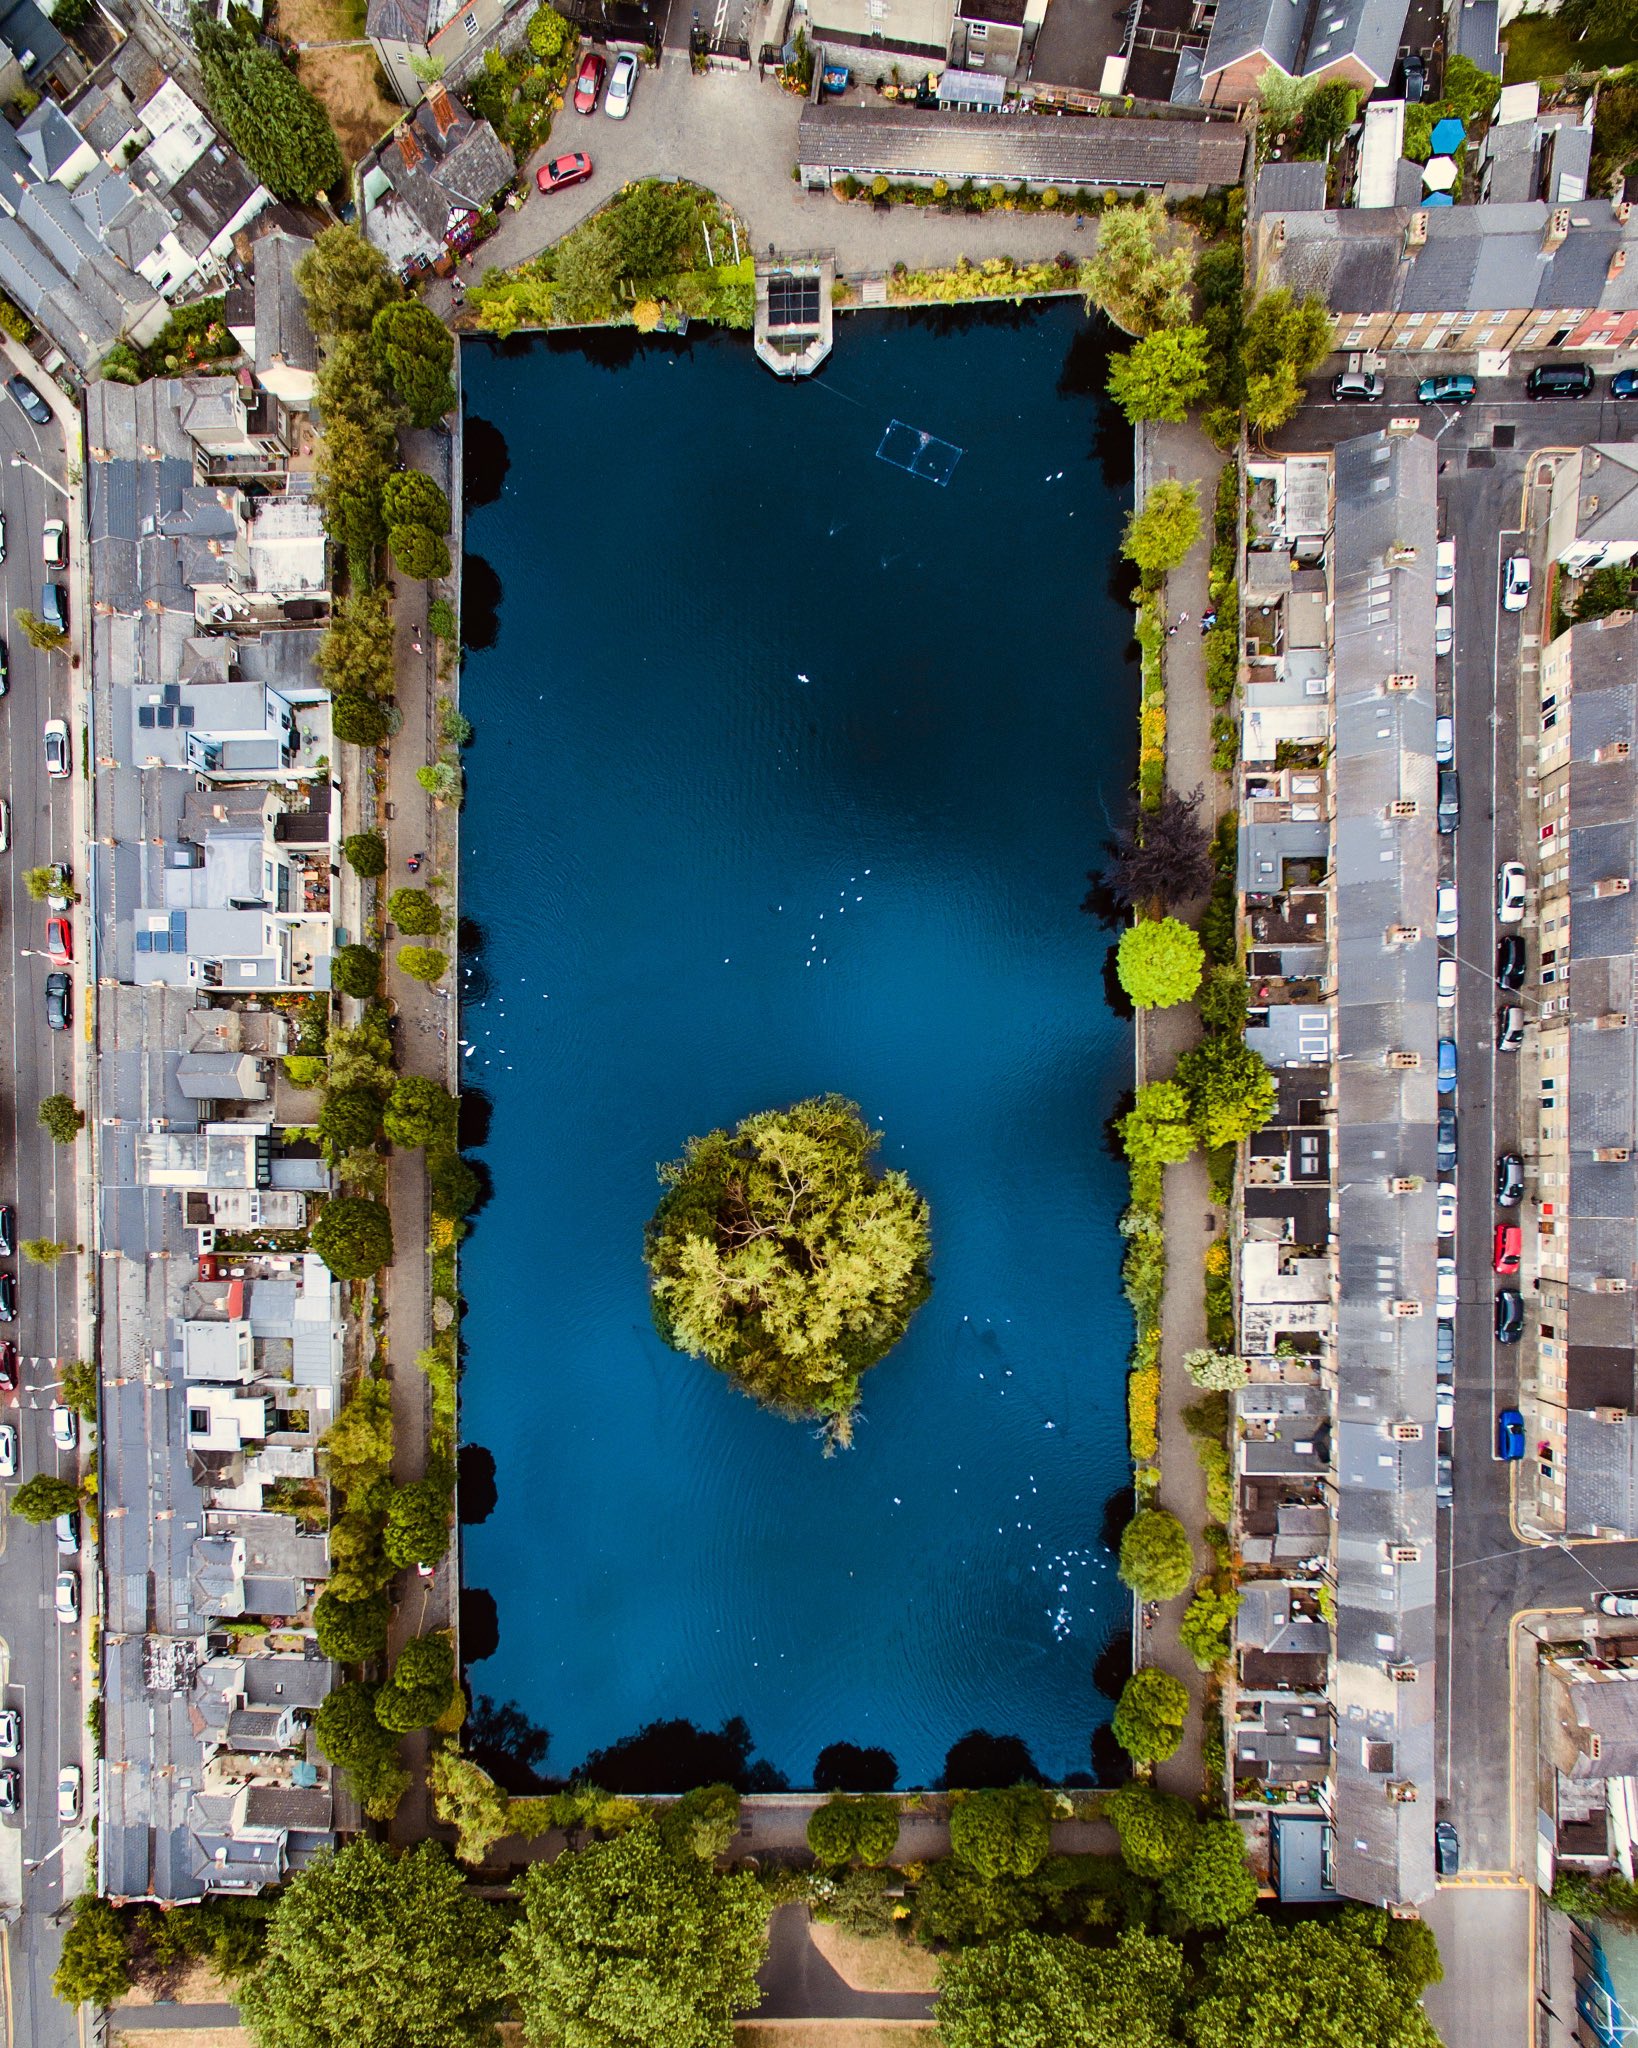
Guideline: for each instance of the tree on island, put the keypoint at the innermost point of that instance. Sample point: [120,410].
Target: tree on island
[782,1260]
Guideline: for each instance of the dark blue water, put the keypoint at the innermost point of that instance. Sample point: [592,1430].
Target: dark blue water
[788,772]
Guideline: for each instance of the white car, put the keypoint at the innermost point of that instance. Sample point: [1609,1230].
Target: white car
[65,1427]
[54,543]
[1444,1408]
[68,1793]
[11,1731]
[1444,741]
[1447,1209]
[1510,892]
[1444,629]
[57,760]
[622,84]
[1447,983]
[66,1597]
[1516,583]
[8,1451]
[1445,1289]
[1444,568]
[1445,916]
[5,826]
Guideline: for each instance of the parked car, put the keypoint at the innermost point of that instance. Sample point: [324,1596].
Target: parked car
[5,810]
[1450,800]
[11,1791]
[1509,1028]
[1444,741]
[11,1732]
[59,885]
[59,1001]
[66,1597]
[59,943]
[1444,1408]
[622,85]
[1509,1316]
[5,671]
[56,749]
[589,83]
[1446,1224]
[564,171]
[1452,390]
[8,1230]
[1445,1489]
[8,1451]
[1516,583]
[1624,384]
[2,536]
[68,1534]
[1445,915]
[1446,1147]
[25,395]
[54,543]
[1445,1351]
[1415,75]
[1447,1850]
[1617,1603]
[65,1427]
[8,1297]
[1559,380]
[1444,629]
[1358,387]
[1509,1434]
[1447,983]
[8,1367]
[1509,1248]
[1444,1289]
[1509,1180]
[68,1793]
[1447,1066]
[1510,892]
[54,606]
[1510,962]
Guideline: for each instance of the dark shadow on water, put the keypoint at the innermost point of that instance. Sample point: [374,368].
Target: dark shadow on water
[845,1767]
[677,1756]
[480,604]
[510,1746]
[1110,1763]
[1113,1664]
[477,1113]
[480,1623]
[1124,1102]
[1120,1003]
[1118,1510]
[979,1759]
[484,462]
[475,1471]
[1085,374]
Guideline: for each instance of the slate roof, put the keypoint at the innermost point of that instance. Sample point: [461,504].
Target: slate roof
[1291,188]
[398,21]
[49,138]
[1304,37]
[283,332]
[905,142]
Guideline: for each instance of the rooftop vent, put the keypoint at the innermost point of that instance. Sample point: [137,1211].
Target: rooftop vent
[1402,1674]
[1557,231]
[1402,807]
[1405,1553]
[1405,1062]
[1406,1309]
[1407,1432]
[1401,679]
[1613,885]
[1404,934]
[1609,1283]
[1612,1155]
[1610,1020]
[1617,750]
[1609,1414]
[1416,230]
[1404,1184]
[1402,1791]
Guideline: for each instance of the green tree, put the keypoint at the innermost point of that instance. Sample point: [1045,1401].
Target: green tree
[377,1951]
[414,350]
[350,1121]
[418,1523]
[423,963]
[356,657]
[44,1251]
[451,1182]
[1230,1089]
[361,1054]
[351,1631]
[1204,1629]
[783,1260]
[44,1497]
[350,1736]
[1156,1130]
[701,1823]
[1217,1371]
[549,34]
[48,639]
[1150,1714]
[1159,536]
[1134,283]
[411,498]
[271,119]
[59,1116]
[353,1236]
[585,266]
[421,1686]
[420,1112]
[349,473]
[850,1830]
[1002,1832]
[346,281]
[95,1965]
[1410,1948]
[441,619]
[1283,99]
[1307,1985]
[1044,1991]
[77,1387]
[466,1798]
[415,913]
[360,721]
[419,552]
[1284,340]
[1212,1887]
[624,1945]
[1604,591]
[1158,1831]
[1159,962]
[1471,93]
[1156,1560]
[1161,376]
[1327,115]
[365,853]
[41,882]
[355,971]
[654,225]
[358,1445]
[1223,1000]
[442,781]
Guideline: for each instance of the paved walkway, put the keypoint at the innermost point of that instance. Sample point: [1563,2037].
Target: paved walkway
[1185,453]
[799,1984]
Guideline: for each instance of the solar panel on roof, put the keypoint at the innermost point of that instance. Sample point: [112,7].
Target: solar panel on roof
[165,714]
[179,931]
[145,716]
[184,714]
[171,694]
[144,942]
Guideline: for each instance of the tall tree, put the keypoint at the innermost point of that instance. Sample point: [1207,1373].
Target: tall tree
[1156,1131]
[353,1236]
[1043,1991]
[1312,1985]
[365,1950]
[1150,1714]
[345,281]
[1158,1831]
[413,352]
[353,1739]
[1231,1091]
[1161,376]
[1156,1560]
[1212,1887]
[1135,284]
[421,1686]
[624,1945]
[356,654]
[271,119]
[1005,1831]
[1161,859]
[1159,536]
[1159,962]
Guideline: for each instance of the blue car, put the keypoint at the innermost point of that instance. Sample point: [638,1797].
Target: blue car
[1447,1066]
[1509,1434]
[1445,390]
[1624,384]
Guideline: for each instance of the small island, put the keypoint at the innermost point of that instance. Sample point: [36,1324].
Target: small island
[779,1256]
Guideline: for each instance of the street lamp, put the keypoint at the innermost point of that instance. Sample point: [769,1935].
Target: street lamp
[22,462]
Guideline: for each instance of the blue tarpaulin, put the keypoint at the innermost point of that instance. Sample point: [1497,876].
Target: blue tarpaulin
[1437,199]
[1448,135]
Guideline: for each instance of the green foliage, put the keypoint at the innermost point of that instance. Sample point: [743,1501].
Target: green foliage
[1156,1131]
[549,33]
[1149,1715]
[1605,591]
[349,1121]
[1004,1831]
[44,1497]
[420,1111]
[1158,1831]
[1471,93]
[1204,1629]
[411,498]
[1230,1089]
[1212,1887]
[46,639]
[654,225]
[415,913]
[1143,1265]
[122,364]
[451,1182]
[44,1251]
[1161,376]
[1159,536]
[1224,1000]
[423,963]
[1306,1985]
[419,552]
[350,1736]
[1155,1558]
[1140,288]
[94,1968]
[353,1236]
[1285,340]
[1410,1948]
[271,119]
[365,853]
[414,350]
[61,1119]
[421,1686]
[378,1951]
[351,1631]
[625,1945]
[360,721]
[441,620]
[466,1798]
[418,1521]
[1327,114]
[346,281]
[442,780]
[1217,925]
[1218,1370]
[361,1054]
[358,1444]
[850,1830]
[1159,962]
[779,1257]
[1042,1991]
[356,657]
[77,1389]
[355,971]
[702,1823]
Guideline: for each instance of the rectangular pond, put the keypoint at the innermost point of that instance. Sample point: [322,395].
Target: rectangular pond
[790,764]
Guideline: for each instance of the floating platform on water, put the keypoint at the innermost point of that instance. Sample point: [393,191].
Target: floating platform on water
[793,325]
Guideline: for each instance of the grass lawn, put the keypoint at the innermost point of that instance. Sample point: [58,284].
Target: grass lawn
[349,82]
[884,1964]
[1540,46]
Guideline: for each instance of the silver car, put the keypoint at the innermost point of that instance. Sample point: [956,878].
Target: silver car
[1516,583]
[1444,629]
[622,84]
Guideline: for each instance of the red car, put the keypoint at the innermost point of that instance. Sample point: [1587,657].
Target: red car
[8,1368]
[1509,1244]
[589,83]
[564,171]
[59,941]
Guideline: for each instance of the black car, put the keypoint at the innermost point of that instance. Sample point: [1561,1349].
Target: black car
[1447,1850]
[30,400]
[8,1297]
[1445,1358]
[1509,1316]
[1416,76]
[1559,380]
[57,1001]
[1510,961]
[5,676]
[8,1230]
[54,606]
[1509,1180]
[1450,800]
[11,1791]
[1447,1141]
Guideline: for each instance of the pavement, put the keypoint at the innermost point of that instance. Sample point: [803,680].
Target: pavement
[798,1983]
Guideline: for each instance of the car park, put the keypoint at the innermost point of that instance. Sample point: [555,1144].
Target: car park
[589,82]
[24,394]
[1445,913]
[1447,1066]
[8,1451]
[1509,1180]
[1617,1603]
[1450,801]
[65,1427]
[1445,1289]
[1509,1434]
[1358,387]
[1510,892]
[68,1793]
[1444,741]
[1559,380]
[58,1001]
[1444,1408]
[56,749]
[1447,1850]
[1624,384]
[66,1597]
[1457,389]
[622,85]
[1509,1028]
[564,171]
[54,543]
[54,606]
[59,943]
[1446,1142]
[1509,1316]
[1445,1351]
[1510,962]
[1509,1248]
[1448,971]
[68,1534]
[1446,1224]
[11,1732]
[1516,583]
